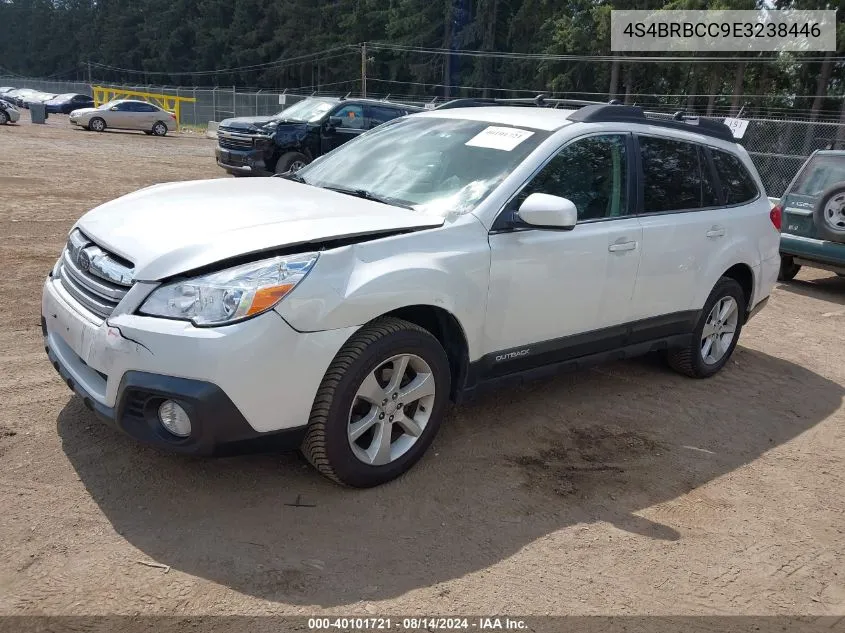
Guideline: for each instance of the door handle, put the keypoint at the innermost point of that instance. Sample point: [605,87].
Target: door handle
[716,231]
[622,246]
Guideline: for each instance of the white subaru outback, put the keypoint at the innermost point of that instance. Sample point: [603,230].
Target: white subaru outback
[338,309]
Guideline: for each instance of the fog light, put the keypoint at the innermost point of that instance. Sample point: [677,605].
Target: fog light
[174,418]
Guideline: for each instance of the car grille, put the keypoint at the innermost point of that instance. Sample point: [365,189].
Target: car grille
[97,279]
[236,142]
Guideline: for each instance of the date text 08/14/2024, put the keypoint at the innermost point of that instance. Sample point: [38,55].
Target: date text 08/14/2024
[416,623]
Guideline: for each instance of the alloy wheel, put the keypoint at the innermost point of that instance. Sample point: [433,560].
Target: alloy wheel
[391,409]
[719,330]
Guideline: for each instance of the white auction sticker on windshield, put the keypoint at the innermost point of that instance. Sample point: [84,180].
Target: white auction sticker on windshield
[503,138]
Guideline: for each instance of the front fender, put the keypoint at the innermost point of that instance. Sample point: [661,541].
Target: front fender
[447,267]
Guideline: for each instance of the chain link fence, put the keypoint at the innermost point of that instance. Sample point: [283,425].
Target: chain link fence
[778,147]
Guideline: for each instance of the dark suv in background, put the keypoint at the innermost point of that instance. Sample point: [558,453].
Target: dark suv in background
[289,140]
[813,206]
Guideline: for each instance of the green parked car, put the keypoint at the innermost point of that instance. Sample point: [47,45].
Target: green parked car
[813,207]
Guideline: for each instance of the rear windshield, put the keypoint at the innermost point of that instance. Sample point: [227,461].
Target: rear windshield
[822,172]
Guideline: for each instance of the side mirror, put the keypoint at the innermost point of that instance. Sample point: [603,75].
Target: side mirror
[335,121]
[113,108]
[548,212]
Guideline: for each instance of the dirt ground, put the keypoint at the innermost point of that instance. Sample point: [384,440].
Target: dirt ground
[624,489]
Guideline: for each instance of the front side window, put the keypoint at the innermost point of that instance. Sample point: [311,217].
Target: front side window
[434,165]
[351,116]
[737,184]
[591,172]
[675,176]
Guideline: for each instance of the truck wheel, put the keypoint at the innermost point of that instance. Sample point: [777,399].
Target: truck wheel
[788,268]
[291,161]
[715,336]
[379,405]
[829,214]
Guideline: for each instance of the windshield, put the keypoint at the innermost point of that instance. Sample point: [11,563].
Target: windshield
[820,174]
[108,105]
[430,164]
[309,110]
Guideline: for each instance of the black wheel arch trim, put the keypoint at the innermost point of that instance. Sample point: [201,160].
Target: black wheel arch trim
[534,360]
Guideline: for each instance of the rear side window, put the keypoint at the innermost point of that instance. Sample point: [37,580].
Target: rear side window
[737,184]
[675,176]
[381,114]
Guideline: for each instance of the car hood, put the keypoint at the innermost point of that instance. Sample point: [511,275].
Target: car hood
[246,123]
[173,228]
[84,110]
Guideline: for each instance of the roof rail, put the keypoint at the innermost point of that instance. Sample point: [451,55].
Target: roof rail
[604,113]
[541,101]
[600,112]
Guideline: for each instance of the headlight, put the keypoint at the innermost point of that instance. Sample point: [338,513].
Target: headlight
[230,295]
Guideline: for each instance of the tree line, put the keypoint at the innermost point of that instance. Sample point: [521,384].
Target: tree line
[163,41]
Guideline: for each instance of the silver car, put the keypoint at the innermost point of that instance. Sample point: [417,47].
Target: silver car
[126,114]
[8,113]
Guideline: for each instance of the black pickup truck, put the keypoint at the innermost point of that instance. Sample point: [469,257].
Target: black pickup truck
[262,146]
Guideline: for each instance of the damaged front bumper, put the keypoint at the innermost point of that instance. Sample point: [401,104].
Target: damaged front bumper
[250,383]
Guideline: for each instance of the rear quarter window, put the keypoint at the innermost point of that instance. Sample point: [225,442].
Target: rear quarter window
[822,172]
[738,186]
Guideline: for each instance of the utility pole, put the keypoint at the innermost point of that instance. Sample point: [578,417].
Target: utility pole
[90,82]
[364,69]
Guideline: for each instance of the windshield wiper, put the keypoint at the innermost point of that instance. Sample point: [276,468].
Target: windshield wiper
[369,195]
[293,176]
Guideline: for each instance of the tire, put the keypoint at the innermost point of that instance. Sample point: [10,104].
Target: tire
[690,360]
[788,268]
[291,160]
[4,118]
[329,444]
[159,129]
[97,124]
[829,214]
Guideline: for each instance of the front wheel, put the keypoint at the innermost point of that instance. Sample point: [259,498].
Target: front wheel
[291,161]
[97,124]
[379,405]
[4,118]
[716,334]
[788,268]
